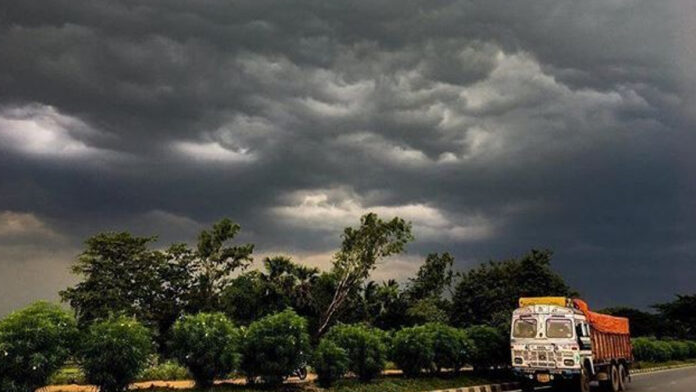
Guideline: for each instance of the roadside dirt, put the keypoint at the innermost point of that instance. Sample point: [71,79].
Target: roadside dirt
[183,384]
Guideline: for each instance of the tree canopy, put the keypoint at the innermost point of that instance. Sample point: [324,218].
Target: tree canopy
[487,294]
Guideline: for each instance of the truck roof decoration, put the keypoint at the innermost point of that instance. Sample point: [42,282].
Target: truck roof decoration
[601,322]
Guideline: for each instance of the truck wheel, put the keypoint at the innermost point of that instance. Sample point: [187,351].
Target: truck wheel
[613,384]
[581,383]
[623,377]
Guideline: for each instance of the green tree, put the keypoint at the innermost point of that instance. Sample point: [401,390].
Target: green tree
[121,275]
[34,343]
[367,353]
[282,284]
[433,277]
[489,293]
[275,346]
[681,314]
[360,251]
[212,263]
[208,345]
[113,352]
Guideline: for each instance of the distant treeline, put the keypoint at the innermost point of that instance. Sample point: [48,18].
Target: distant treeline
[189,302]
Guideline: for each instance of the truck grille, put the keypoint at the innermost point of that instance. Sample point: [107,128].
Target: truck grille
[540,358]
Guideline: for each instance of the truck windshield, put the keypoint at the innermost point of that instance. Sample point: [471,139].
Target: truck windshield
[559,329]
[525,328]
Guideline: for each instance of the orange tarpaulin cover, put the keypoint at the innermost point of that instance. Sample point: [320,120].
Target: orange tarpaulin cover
[603,322]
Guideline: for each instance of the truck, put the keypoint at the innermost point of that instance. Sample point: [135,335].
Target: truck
[559,342]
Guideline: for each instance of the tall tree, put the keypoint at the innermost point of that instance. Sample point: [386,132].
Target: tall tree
[360,251]
[282,284]
[489,293]
[681,314]
[433,277]
[212,264]
[120,274]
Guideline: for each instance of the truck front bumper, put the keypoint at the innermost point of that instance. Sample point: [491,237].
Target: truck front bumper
[544,376]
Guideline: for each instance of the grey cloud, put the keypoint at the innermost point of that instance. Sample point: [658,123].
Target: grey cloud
[551,123]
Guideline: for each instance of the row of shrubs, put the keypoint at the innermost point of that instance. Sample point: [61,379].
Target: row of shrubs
[36,342]
[654,350]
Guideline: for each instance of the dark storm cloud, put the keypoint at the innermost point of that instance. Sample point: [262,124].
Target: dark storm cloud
[494,126]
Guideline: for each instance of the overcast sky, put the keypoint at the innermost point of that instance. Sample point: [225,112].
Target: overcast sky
[494,126]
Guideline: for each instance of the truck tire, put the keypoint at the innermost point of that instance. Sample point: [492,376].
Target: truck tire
[581,383]
[612,384]
[624,378]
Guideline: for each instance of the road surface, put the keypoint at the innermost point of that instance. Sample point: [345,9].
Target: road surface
[680,380]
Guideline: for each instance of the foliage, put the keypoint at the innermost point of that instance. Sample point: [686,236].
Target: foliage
[385,305]
[330,362]
[490,347]
[275,346]
[365,348]
[166,371]
[212,264]
[489,293]
[413,350]
[207,344]
[121,275]
[34,343]
[653,350]
[680,350]
[113,352]
[681,314]
[360,251]
[282,284]
[433,277]
[428,310]
[451,346]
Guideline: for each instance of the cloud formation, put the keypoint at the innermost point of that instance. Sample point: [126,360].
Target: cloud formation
[493,126]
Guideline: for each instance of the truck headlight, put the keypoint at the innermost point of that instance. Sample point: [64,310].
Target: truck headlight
[569,362]
[518,361]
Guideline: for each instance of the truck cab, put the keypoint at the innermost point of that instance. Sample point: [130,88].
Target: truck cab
[552,344]
[549,343]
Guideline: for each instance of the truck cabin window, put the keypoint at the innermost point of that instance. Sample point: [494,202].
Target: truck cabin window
[559,329]
[525,328]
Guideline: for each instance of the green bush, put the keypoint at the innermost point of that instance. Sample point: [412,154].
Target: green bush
[662,351]
[365,348]
[489,347]
[692,349]
[169,370]
[451,346]
[207,344]
[113,352]
[165,371]
[34,344]
[412,350]
[275,346]
[680,350]
[67,375]
[643,349]
[330,362]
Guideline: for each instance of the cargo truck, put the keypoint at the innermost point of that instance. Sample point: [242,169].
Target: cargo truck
[559,342]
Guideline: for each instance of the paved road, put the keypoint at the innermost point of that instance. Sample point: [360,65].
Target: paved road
[680,380]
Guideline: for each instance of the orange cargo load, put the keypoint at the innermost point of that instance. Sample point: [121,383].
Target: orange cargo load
[602,322]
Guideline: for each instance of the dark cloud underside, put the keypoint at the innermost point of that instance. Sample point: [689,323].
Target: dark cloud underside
[494,126]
